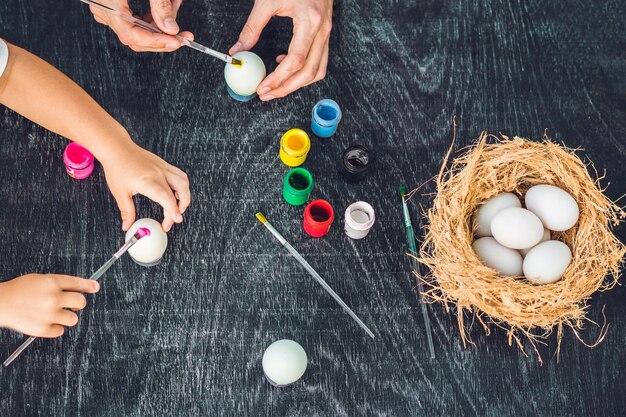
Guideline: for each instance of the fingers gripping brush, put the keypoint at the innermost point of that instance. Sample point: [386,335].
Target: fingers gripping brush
[410,236]
[313,273]
[96,275]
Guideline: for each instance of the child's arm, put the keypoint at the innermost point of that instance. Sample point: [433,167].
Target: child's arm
[40,305]
[41,93]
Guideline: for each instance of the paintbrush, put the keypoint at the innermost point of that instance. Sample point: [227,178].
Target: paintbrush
[313,273]
[96,275]
[410,236]
[147,26]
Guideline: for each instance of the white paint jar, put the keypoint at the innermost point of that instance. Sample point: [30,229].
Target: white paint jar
[359,219]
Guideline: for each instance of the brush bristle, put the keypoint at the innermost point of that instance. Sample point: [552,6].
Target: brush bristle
[402,191]
[142,232]
[261,217]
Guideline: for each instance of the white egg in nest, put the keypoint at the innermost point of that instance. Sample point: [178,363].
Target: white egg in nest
[148,250]
[492,254]
[243,80]
[546,263]
[516,228]
[284,362]
[555,207]
[485,212]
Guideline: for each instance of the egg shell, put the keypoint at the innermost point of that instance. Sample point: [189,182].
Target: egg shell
[555,207]
[244,79]
[546,263]
[546,236]
[284,362]
[516,228]
[149,249]
[487,211]
[504,260]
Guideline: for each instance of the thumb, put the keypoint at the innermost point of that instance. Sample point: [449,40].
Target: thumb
[249,36]
[164,15]
[127,210]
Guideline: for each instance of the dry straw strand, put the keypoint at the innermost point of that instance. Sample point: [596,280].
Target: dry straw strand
[457,278]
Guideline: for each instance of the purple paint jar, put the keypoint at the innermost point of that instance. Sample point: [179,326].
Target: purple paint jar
[78,161]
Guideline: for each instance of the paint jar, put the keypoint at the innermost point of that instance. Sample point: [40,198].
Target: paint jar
[325,118]
[356,161]
[297,186]
[294,147]
[318,216]
[79,162]
[359,219]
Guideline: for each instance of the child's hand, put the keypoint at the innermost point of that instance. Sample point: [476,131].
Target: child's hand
[137,171]
[38,305]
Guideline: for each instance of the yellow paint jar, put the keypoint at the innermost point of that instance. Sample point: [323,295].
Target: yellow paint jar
[294,147]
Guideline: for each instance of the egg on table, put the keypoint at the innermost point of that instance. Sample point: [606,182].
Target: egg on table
[546,236]
[243,80]
[516,228]
[546,263]
[148,250]
[504,260]
[487,211]
[284,362]
[555,207]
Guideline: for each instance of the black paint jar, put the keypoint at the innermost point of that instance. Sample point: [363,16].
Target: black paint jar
[356,162]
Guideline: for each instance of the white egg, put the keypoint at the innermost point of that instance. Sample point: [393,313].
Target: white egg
[546,262]
[546,236]
[516,228]
[149,250]
[244,79]
[494,255]
[284,362]
[556,208]
[487,211]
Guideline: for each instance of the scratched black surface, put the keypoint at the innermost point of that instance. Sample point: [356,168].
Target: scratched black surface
[186,337]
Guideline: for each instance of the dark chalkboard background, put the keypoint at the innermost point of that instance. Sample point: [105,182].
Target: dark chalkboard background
[186,337]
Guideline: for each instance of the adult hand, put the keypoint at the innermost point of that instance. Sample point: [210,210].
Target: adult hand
[42,304]
[307,57]
[163,15]
[137,171]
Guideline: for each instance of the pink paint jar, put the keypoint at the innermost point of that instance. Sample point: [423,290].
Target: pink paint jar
[78,161]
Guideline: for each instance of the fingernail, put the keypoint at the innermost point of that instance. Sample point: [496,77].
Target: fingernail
[267,98]
[178,218]
[125,225]
[171,23]
[183,210]
[95,286]
[171,45]
[236,47]
[264,90]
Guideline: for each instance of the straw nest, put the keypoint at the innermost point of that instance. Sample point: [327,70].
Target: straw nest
[458,278]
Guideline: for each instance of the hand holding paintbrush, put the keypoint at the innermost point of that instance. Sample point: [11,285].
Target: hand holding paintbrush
[61,303]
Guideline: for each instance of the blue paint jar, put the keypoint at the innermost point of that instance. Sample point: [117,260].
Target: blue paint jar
[325,118]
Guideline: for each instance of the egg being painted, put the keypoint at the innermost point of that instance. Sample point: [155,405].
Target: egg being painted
[148,250]
[242,80]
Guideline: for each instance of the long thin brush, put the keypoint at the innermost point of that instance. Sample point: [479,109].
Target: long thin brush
[140,233]
[147,26]
[313,273]
[410,236]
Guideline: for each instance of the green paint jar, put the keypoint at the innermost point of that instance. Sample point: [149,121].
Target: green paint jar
[297,186]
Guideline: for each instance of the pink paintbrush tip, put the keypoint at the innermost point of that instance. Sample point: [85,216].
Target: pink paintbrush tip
[142,232]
